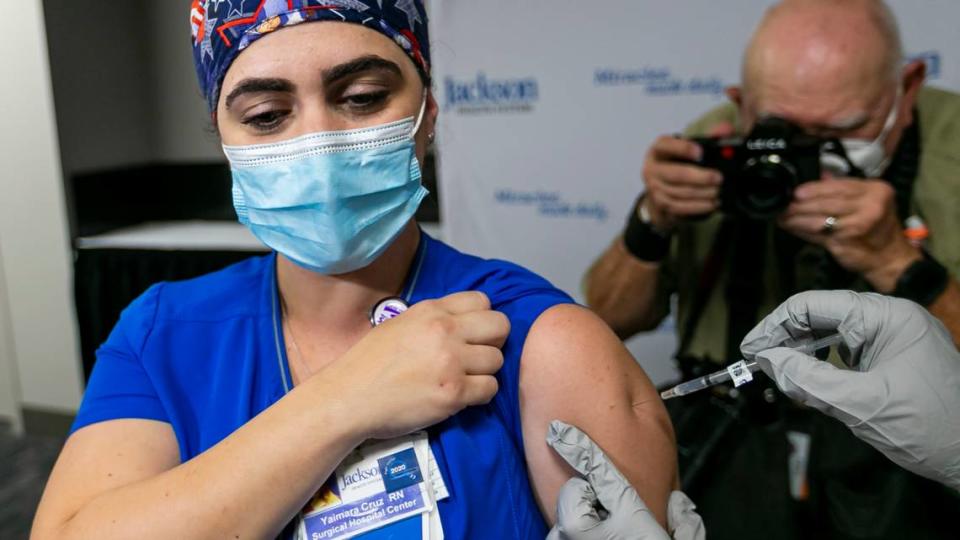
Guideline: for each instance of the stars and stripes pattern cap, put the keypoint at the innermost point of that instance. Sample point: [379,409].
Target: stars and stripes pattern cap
[221,29]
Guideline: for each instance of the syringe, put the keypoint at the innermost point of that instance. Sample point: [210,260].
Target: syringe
[741,372]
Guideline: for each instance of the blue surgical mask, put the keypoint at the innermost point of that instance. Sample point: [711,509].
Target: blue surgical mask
[331,202]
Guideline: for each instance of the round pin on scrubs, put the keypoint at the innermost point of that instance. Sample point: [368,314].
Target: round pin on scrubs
[386,309]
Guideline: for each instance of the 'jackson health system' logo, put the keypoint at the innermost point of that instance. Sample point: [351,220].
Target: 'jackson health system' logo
[481,94]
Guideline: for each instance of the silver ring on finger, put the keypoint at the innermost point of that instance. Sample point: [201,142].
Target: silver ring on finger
[830,225]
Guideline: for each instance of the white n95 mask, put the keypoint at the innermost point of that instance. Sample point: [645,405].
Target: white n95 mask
[332,202]
[871,156]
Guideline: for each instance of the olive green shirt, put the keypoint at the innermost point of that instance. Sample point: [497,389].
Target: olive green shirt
[935,199]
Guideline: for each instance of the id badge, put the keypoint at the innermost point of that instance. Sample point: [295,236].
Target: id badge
[377,485]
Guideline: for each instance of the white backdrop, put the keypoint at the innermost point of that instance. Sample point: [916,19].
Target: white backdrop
[547,107]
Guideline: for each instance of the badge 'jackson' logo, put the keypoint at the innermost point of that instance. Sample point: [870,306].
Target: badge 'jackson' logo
[483,94]
[358,475]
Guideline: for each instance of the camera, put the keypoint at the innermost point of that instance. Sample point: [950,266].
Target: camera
[761,171]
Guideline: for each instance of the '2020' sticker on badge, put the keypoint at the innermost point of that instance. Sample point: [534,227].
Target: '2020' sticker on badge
[400,470]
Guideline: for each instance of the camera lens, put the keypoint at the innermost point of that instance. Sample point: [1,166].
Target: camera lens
[766,186]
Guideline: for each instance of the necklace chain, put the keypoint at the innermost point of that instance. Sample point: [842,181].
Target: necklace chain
[293,340]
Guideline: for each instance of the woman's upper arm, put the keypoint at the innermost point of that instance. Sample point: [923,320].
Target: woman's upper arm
[573,368]
[99,458]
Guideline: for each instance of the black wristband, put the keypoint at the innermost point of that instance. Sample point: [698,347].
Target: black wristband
[923,281]
[642,240]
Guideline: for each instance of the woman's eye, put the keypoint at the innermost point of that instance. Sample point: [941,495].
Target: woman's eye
[366,100]
[266,121]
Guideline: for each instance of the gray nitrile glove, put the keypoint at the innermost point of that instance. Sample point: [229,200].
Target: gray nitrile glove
[902,393]
[624,514]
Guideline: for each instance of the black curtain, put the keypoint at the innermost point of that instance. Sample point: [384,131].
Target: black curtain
[107,280]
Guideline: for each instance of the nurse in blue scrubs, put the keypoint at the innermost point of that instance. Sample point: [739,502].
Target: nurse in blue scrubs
[219,406]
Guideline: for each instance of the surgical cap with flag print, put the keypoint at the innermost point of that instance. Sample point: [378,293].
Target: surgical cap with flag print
[223,28]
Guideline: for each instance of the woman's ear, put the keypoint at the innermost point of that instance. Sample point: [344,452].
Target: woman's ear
[428,126]
[431,114]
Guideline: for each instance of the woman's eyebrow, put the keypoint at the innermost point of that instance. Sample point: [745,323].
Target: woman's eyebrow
[360,65]
[249,86]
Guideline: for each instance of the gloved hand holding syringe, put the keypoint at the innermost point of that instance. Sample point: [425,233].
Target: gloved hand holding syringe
[741,372]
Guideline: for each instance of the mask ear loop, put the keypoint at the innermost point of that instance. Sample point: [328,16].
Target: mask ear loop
[885,132]
[891,116]
[423,110]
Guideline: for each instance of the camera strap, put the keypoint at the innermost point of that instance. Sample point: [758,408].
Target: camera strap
[903,169]
[704,423]
[746,282]
[740,247]
[709,276]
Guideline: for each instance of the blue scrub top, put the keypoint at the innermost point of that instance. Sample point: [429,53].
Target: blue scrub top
[206,355]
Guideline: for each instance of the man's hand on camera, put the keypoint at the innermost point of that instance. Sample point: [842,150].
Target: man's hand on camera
[676,189]
[866,236]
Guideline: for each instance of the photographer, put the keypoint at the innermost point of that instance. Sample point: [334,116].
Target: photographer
[881,216]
